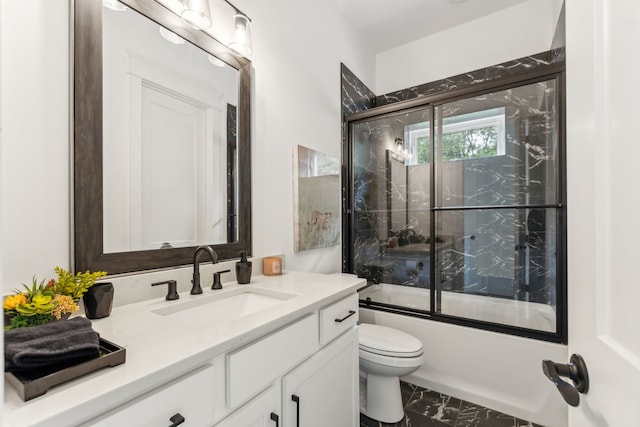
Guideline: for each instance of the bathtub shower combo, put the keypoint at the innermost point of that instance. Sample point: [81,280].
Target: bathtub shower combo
[455,214]
[457,209]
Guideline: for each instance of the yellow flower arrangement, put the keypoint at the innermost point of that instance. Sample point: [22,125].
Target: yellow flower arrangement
[43,303]
[12,301]
[64,305]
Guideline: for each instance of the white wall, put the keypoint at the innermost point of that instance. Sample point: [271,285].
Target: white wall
[521,30]
[298,47]
[1,181]
[34,84]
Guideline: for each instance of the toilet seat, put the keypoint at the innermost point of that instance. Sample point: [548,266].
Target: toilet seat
[392,362]
[383,341]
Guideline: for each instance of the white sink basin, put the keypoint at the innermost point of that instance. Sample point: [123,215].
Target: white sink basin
[225,305]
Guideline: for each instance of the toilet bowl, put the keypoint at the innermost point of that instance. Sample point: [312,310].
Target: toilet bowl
[386,354]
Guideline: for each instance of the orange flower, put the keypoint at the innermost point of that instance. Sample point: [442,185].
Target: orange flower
[12,301]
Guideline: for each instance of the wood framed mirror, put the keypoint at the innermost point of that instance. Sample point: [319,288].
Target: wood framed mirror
[222,204]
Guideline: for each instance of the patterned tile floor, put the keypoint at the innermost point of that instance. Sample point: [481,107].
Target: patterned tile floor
[426,408]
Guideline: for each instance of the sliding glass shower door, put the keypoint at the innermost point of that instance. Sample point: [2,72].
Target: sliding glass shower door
[457,209]
[392,207]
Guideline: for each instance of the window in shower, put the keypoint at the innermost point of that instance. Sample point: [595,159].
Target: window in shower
[456,208]
[466,136]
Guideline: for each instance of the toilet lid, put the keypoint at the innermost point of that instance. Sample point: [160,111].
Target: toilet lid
[388,341]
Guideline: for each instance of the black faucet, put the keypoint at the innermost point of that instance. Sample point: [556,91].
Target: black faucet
[196,289]
[217,283]
[172,293]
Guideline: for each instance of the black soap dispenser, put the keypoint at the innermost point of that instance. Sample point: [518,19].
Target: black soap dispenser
[243,269]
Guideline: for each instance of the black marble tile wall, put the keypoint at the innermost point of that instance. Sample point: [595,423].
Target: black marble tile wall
[426,408]
[356,96]
[474,77]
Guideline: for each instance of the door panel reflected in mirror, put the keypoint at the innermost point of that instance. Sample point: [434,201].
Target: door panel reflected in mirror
[168,139]
[160,133]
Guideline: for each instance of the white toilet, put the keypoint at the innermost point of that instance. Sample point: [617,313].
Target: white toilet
[386,354]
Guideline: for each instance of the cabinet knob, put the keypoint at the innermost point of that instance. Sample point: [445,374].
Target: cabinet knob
[176,420]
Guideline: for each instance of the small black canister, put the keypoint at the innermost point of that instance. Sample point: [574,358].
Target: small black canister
[98,300]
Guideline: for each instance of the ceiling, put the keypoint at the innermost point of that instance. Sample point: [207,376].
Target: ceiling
[386,24]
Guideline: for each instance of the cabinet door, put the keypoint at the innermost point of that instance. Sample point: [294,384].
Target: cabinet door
[262,411]
[323,391]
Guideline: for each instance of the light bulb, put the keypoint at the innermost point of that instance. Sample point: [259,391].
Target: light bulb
[197,14]
[242,41]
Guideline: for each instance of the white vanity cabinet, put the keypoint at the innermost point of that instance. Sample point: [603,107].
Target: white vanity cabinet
[187,401]
[236,373]
[322,390]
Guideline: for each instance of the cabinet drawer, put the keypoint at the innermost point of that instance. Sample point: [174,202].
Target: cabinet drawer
[191,397]
[337,318]
[254,367]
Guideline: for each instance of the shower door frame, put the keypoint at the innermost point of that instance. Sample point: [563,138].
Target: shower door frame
[554,72]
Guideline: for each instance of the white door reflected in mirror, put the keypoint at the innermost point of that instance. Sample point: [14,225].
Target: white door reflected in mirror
[167,167]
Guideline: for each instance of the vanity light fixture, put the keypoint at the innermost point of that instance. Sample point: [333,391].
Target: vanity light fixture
[242,37]
[114,5]
[398,153]
[216,61]
[197,14]
[170,36]
[241,43]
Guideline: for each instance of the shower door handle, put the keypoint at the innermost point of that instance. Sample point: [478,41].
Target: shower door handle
[576,370]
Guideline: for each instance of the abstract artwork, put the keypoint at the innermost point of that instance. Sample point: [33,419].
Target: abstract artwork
[316,199]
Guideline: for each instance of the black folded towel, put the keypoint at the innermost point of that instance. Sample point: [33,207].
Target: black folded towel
[53,343]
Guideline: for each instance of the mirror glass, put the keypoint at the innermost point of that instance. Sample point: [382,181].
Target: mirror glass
[160,131]
[169,135]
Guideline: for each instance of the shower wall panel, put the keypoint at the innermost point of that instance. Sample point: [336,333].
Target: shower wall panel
[510,68]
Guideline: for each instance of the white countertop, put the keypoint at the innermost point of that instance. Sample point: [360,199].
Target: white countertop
[159,348]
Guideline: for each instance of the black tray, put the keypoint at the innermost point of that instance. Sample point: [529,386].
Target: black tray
[30,384]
